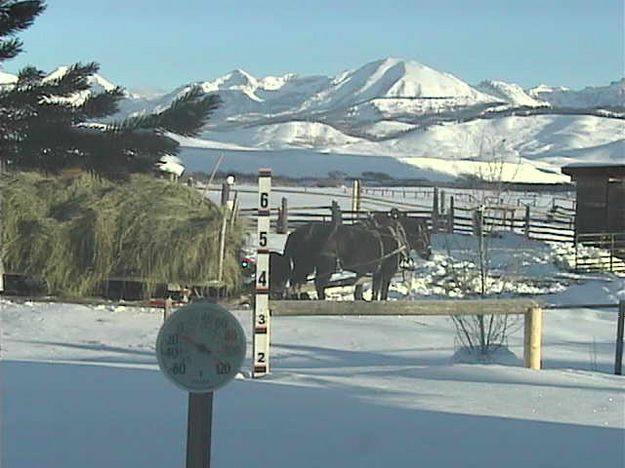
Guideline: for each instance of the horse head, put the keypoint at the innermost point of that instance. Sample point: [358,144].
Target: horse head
[418,234]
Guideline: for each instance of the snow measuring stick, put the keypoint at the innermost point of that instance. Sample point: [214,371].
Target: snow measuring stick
[260,348]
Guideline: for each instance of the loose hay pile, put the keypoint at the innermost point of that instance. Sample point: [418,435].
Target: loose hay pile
[74,233]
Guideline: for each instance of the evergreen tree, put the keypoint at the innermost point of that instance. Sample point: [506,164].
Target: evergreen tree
[55,122]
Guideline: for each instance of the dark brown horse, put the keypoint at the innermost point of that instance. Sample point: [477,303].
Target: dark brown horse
[375,246]
[400,231]
[302,249]
[366,248]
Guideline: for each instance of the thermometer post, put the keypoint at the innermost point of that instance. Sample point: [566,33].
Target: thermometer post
[200,348]
[199,430]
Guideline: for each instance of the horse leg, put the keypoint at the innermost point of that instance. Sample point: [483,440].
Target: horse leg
[320,287]
[358,292]
[375,287]
[324,268]
[386,282]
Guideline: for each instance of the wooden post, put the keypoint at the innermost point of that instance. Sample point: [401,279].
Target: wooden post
[533,338]
[527,221]
[222,246]
[620,326]
[225,193]
[435,210]
[442,200]
[2,167]
[337,216]
[478,221]
[199,430]
[450,216]
[612,251]
[283,217]
[167,308]
[356,195]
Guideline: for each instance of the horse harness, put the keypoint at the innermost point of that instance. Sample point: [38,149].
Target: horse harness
[397,233]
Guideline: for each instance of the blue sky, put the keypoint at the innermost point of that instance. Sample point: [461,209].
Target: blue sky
[158,44]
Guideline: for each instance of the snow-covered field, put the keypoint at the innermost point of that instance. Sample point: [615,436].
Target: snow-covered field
[81,387]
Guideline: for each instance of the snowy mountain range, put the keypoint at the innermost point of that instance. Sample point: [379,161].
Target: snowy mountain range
[400,117]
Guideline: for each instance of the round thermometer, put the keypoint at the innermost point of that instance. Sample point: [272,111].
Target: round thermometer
[200,347]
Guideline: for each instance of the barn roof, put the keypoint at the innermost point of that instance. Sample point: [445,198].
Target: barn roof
[584,169]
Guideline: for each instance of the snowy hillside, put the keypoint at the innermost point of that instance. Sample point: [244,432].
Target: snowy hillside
[612,95]
[528,149]
[7,78]
[510,93]
[285,135]
[400,109]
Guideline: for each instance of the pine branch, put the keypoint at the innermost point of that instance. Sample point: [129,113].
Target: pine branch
[101,105]
[113,152]
[29,75]
[75,79]
[9,49]
[17,16]
[185,116]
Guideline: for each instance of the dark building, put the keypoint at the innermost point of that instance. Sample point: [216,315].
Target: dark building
[600,197]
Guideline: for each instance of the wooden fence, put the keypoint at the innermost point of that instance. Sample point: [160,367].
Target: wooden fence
[600,252]
[531,310]
[556,225]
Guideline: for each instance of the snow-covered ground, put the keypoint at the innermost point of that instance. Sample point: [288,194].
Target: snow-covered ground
[81,387]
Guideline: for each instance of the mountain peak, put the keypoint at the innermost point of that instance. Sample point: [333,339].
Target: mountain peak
[97,82]
[397,78]
[237,77]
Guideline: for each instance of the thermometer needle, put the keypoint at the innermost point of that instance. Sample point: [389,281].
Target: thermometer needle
[201,347]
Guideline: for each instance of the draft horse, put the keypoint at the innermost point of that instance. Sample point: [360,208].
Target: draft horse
[375,246]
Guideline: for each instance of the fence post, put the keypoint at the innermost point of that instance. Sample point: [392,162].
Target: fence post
[435,210]
[612,253]
[356,195]
[337,216]
[167,305]
[620,326]
[222,245]
[527,221]
[576,251]
[533,338]
[442,208]
[478,221]
[283,217]
[450,216]
[225,193]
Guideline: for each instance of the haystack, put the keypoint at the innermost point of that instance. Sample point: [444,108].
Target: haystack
[74,233]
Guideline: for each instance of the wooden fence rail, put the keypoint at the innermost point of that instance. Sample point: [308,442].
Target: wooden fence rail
[455,220]
[531,310]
